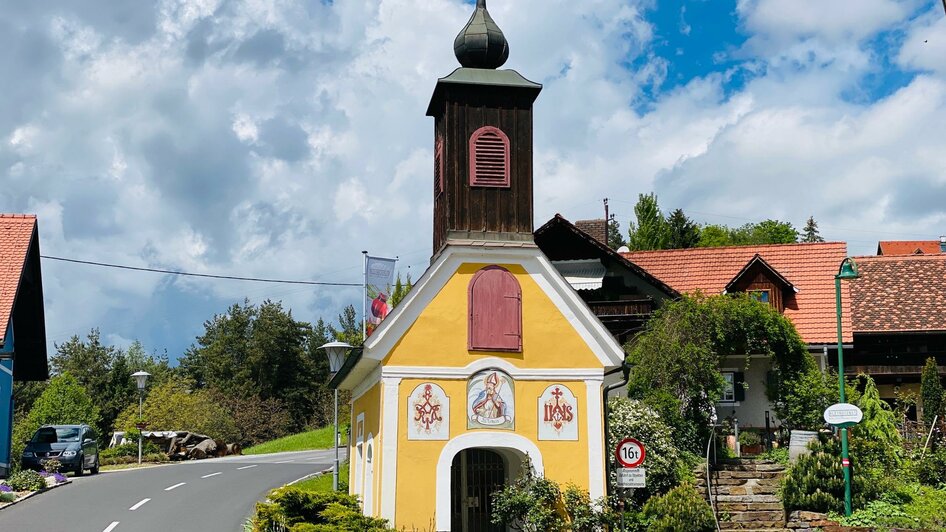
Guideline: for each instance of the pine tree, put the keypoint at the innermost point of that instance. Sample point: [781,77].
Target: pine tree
[615,239]
[683,232]
[931,390]
[810,233]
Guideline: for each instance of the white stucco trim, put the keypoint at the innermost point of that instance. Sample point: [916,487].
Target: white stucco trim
[389,436]
[373,378]
[537,266]
[596,450]
[439,372]
[483,439]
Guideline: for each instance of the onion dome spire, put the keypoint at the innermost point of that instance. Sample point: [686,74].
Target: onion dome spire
[481,44]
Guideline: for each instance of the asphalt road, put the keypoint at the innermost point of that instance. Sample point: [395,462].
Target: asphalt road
[200,496]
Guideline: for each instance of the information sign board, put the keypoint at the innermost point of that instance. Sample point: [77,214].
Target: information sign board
[632,477]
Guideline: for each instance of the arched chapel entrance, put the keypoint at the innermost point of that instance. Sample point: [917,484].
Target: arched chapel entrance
[474,476]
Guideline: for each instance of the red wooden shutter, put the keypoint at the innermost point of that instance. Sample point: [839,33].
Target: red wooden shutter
[489,158]
[438,166]
[495,321]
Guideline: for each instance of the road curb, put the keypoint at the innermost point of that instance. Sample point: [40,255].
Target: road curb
[163,464]
[307,477]
[33,494]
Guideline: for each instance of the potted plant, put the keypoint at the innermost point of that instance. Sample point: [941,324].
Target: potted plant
[750,442]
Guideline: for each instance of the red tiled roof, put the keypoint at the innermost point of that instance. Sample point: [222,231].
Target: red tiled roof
[16,232]
[908,247]
[899,294]
[809,267]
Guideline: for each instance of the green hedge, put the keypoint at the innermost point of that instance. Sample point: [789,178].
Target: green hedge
[682,509]
[304,511]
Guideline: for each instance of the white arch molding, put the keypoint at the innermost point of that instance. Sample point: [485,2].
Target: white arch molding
[470,440]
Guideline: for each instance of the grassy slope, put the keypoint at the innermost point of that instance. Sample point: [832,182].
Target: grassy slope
[304,441]
[323,482]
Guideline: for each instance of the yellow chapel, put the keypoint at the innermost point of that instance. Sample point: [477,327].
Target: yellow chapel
[492,357]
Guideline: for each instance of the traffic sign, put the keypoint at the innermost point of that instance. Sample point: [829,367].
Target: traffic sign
[843,415]
[630,453]
[632,477]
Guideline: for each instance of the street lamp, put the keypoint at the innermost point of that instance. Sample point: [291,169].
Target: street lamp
[846,272]
[336,352]
[141,378]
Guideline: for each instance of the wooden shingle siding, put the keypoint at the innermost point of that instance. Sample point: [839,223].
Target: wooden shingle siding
[495,311]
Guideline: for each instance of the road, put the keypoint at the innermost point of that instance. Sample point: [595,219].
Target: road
[200,496]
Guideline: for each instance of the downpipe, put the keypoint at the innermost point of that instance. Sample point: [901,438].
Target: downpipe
[626,369]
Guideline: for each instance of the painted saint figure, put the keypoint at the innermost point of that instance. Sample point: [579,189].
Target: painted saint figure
[489,407]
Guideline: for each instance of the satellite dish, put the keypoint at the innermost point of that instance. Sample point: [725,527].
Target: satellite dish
[624,249]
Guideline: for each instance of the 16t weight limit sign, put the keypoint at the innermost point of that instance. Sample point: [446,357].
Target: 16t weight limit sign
[630,453]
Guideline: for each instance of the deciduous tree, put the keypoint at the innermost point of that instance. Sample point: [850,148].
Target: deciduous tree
[650,231]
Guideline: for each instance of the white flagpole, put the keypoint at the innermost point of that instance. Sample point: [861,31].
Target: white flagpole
[364,299]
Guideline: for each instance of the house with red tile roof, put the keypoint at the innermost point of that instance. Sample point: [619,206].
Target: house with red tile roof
[899,319]
[796,279]
[22,320]
[912,247]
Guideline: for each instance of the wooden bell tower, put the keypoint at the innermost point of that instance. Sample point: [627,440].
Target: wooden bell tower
[482,142]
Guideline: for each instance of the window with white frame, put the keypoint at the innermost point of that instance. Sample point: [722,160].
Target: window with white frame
[729,387]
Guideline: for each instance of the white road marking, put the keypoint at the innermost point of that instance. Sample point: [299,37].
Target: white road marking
[247,467]
[111,527]
[178,485]
[283,462]
[139,505]
[212,474]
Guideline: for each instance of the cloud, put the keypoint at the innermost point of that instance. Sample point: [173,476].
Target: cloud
[280,138]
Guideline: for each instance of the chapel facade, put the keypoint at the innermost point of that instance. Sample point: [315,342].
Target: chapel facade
[492,362]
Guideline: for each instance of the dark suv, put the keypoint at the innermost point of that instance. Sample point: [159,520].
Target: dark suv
[74,446]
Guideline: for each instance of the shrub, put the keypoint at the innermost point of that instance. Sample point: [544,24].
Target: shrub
[7,497]
[174,406]
[931,390]
[584,515]
[52,465]
[747,438]
[292,508]
[682,509]
[26,480]
[256,420]
[529,503]
[930,467]
[816,481]
[129,449]
[879,424]
[665,465]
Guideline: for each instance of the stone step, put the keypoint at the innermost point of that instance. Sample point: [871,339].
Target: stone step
[773,481]
[731,507]
[757,516]
[752,525]
[745,489]
[746,498]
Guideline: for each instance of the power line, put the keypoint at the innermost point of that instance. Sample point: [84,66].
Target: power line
[190,274]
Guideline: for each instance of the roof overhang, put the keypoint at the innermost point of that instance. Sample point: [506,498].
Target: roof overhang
[27,321]
[758,261]
[582,274]
[536,264]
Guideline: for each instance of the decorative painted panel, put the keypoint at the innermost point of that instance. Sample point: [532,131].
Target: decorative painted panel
[558,414]
[491,401]
[428,413]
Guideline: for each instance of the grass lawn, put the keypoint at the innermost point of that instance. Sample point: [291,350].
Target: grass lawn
[323,482]
[304,441]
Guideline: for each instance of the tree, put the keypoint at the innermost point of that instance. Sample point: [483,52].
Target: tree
[713,235]
[650,231]
[773,232]
[400,291]
[615,239]
[175,405]
[64,402]
[676,359]
[810,232]
[931,391]
[683,232]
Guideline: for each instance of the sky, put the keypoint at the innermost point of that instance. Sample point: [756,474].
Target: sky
[280,138]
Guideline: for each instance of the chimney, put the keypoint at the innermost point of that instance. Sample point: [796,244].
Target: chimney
[942,244]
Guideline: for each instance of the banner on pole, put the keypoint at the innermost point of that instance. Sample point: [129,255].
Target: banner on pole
[379,277]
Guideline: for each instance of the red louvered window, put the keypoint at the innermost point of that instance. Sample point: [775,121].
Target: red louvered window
[495,319]
[438,166]
[489,158]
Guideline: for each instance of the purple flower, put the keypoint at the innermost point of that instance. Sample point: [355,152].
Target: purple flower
[43,474]
[5,489]
[60,478]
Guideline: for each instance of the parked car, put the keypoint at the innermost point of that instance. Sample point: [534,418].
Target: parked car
[75,446]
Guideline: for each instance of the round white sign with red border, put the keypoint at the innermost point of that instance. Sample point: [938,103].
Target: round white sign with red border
[630,453]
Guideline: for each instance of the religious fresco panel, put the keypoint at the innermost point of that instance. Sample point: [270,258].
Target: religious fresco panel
[491,401]
[428,413]
[558,414]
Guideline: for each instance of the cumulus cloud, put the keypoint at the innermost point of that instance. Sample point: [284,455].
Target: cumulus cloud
[279,138]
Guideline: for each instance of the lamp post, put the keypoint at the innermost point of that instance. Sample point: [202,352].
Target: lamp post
[336,352]
[141,378]
[846,272]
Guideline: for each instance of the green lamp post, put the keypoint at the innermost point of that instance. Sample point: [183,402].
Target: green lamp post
[846,272]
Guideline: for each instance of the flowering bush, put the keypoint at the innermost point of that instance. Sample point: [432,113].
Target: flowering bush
[4,488]
[26,480]
[52,465]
